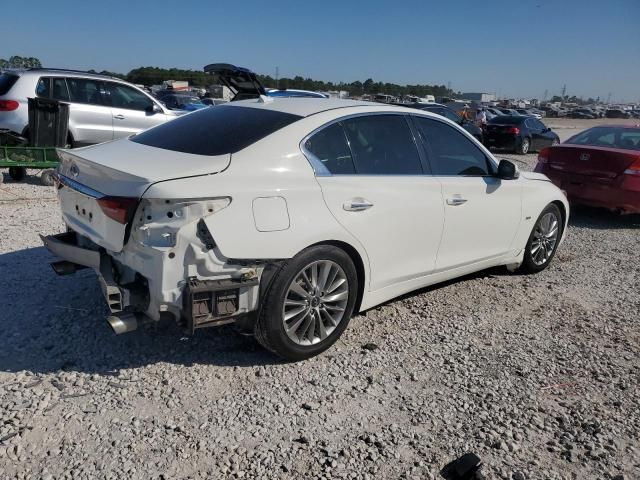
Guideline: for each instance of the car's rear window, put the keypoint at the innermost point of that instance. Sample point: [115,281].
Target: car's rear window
[7,81]
[216,130]
[507,120]
[612,137]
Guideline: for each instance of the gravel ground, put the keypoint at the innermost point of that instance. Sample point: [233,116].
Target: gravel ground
[538,375]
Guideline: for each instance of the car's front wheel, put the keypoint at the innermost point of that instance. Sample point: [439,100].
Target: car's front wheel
[543,241]
[309,303]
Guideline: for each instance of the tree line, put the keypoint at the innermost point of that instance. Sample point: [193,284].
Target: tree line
[17,61]
[154,75]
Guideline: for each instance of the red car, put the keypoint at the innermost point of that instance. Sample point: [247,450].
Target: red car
[599,167]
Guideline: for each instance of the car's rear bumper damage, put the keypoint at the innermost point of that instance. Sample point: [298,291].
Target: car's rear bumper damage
[231,297]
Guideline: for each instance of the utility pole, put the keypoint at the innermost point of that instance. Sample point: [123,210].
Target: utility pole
[277,74]
[564,91]
[544,98]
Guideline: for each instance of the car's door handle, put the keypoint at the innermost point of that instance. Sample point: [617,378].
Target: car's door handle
[119,117]
[357,205]
[455,201]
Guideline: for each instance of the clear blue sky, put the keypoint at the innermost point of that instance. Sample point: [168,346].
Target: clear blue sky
[512,47]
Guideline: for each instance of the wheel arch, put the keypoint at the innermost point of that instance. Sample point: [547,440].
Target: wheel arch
[563,212]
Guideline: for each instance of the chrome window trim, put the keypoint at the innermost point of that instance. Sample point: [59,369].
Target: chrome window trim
[78,187]
[321,171]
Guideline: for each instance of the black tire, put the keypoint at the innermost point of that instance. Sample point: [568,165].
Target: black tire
[529,264]
[17,173]
[46,177]
[270,330]
[524,147]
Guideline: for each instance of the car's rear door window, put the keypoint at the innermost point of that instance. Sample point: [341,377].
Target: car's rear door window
[382,145]
[7,81]
[329,147]
[216,131]
[84,90]
[59,90]
[450,151]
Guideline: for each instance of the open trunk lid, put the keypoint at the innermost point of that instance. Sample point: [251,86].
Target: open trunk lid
[97,181]
[242,81]
[599,164]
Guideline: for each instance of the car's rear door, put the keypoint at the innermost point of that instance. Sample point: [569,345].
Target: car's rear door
[89,115]
[482,212]
[132,110]
[374,182]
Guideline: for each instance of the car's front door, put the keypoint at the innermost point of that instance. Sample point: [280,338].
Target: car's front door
[89,115]
[482,212]
[373,181]
[547,136]
[132,110]
[537,135]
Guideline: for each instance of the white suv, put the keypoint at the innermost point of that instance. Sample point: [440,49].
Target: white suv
[285,216]
[101,108]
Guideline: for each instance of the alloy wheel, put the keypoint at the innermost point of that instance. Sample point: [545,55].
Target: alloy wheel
[525,145]
[315,302]
[545,237]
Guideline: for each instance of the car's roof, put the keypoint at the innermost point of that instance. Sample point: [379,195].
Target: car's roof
[305,106]
[57,72]
[615,125]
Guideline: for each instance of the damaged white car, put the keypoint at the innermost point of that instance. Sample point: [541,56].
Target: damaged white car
[286,216]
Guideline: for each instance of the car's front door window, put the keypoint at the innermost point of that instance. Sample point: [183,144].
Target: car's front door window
[128,98]
[450,151]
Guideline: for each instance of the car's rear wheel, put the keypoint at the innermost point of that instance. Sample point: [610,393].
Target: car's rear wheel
[309,303]
[543,241]
[525,144]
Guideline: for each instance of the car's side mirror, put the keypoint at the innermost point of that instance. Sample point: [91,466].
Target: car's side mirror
[507,170]
[153,109]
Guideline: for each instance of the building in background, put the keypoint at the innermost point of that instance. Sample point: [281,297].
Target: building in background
[480,97]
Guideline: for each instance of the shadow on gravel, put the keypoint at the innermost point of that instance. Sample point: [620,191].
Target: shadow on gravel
[601,219]
[52,323]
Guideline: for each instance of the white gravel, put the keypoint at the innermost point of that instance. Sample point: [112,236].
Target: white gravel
[538,375]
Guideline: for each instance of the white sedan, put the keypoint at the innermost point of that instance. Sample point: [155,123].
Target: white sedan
[287,216]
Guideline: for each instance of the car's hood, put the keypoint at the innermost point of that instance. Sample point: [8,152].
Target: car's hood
[126,168]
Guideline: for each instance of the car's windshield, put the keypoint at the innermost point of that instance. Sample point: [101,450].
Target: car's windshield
[7,81]
[216,131]
[612,137]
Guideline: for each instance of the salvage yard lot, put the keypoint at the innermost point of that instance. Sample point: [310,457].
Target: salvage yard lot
[538,375]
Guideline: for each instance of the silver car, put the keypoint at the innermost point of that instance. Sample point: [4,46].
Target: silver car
[101,108]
